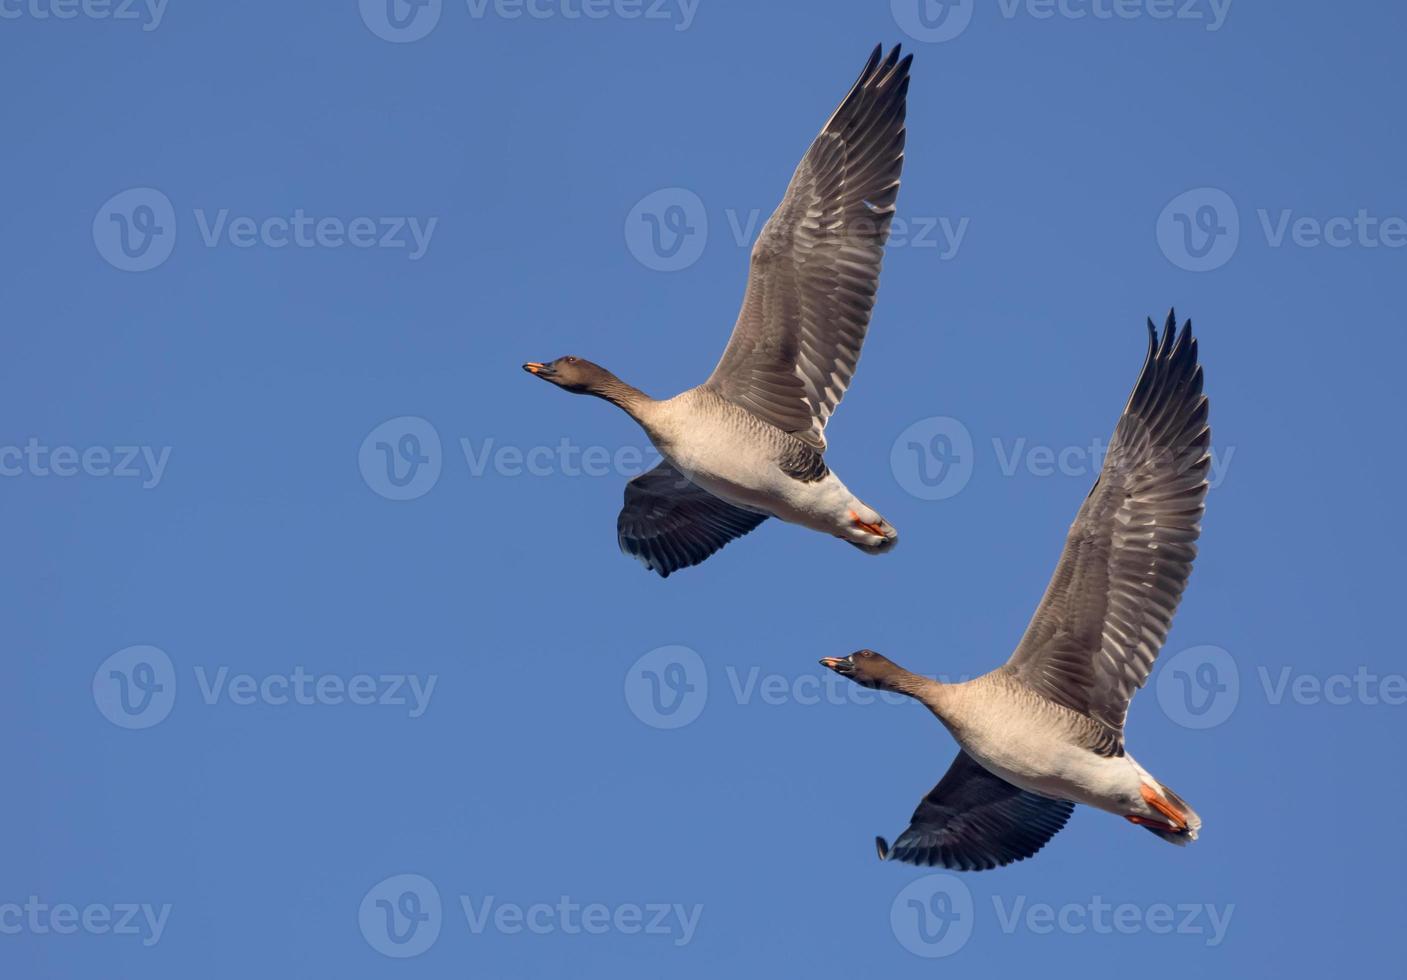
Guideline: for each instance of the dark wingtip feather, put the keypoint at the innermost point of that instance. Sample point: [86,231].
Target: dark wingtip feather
[873,61]
[1185,337]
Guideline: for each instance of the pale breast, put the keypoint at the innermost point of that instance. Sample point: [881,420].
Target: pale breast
[732,453]
[1036,745]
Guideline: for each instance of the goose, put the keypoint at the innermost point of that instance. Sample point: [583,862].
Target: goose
[749,443]
[1045,731]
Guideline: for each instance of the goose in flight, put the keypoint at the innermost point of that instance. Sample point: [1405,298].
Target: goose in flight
[1046,730]
[749,442]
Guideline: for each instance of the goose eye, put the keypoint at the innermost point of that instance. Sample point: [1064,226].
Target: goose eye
[571,360]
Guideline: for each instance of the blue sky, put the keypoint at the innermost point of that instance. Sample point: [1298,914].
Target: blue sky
[275,709]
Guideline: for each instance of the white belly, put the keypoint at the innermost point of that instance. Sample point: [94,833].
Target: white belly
[1029,757]
[735,457]
[744,473]
[1078,776]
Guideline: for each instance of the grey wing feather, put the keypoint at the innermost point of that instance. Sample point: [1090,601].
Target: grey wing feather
[1107,610]
[669,522]
[974,821]
[815,267]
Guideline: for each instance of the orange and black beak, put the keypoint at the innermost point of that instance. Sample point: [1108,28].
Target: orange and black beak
[844,666]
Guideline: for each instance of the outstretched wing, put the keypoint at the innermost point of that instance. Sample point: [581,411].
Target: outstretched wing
[1107,609]
[669,522]
[975,821]
[815,267]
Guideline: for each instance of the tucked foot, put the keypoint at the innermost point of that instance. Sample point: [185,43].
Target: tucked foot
[1181,824]
[868,531]
[1153,799]
[1151,824]
[876,529]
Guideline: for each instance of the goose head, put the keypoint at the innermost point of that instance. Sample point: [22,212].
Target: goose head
[574,374]
[866,668]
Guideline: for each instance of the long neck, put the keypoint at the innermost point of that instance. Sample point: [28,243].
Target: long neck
[926,690]
[627,397]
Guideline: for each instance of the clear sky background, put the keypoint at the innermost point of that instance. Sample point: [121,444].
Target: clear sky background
[561,753]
